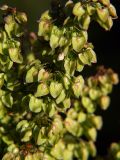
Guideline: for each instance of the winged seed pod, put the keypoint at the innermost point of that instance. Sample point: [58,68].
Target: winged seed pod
[47,105]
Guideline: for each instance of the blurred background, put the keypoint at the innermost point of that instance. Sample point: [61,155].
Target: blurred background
[107,47]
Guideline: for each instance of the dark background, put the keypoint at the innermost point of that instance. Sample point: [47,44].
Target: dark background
[107,47]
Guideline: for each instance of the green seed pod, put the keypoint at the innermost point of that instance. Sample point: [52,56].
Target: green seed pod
[78,42]
[41,136]
[61,97]
[72,114]
[81,117]
[51,110]
[7,100]
[35,104]
[104,102]
[105,2]
[91,133]
[29,157]
[27,136]
[109,23]
[66,82]
[88,104]
[94,93]
[9,156]
[90,9]
[84,153]
[103,14]
[7,139]
[1,80]
[112,11]
[55,89]
[21,17]
[58,150]
[22,126]
[78,86]
[88,57]
[63,41]
[55,37]
[45,28]
[73,127]
[67,154]
[115,78]
[66,103]
[31,75]
[37,156]
[15,55]
[43,75]
[42,90]
[86,22]
[46,15]
[97,121]
[78,10]
[92,148]
[80,66]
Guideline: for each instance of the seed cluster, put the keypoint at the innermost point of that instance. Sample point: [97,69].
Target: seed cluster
[47,108]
